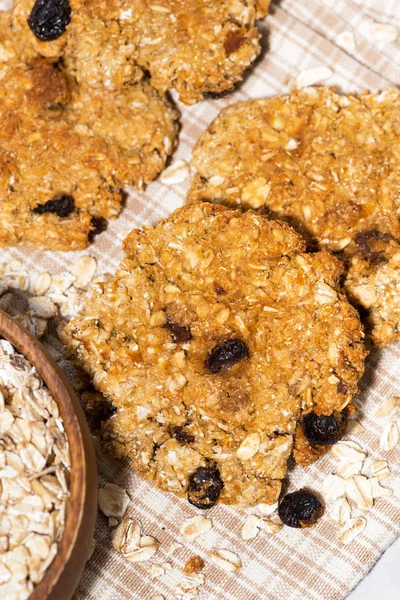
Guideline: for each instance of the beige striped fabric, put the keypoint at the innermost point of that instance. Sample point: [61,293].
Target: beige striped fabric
[293,564]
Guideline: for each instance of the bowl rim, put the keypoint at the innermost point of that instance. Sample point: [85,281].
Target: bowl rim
[82,503]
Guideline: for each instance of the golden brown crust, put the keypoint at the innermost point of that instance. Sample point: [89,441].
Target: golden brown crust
[198,47]
[329,165]
[201,277]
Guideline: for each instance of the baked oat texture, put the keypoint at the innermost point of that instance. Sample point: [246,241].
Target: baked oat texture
[198,47]
[66,152]
[193,283]
[329,165]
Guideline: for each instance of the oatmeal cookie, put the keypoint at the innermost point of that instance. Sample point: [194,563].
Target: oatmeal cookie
[66,153]
[198,47]
[217,333]
[330,166]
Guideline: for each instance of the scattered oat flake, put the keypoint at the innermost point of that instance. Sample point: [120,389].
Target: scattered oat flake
[334,487]
[43,306]
[354,427]
[378,491]
[359,489]
[174,546]
[351,530]
[390,436]
[113,500]
[267,509]
[382,33]
[159,569]
[346,40]
[340,511]
[251,527]
[226,560]
[379,469]
[195,526]
[271,525]
[84,270]
[42,284]
[176,173]
[158,597]
[348,469]
[310,77]
[388,406]
[348,451]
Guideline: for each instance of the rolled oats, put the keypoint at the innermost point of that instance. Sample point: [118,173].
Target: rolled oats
[390,436]
[378,491]
[84,270]
[379,469]
[176,173]
[159,569]
[113,500]
[127,539]
[226,560]
[340,511]
[359,489]
[195,526]
[388,406]
[251,527]
[351,530]
[346,40]
[312,76]
[190,587]
[272,524]
[34,470]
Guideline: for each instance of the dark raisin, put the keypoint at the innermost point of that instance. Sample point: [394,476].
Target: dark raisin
[369,246]
[205,486]
[234,41]
[62,206]
[226,354]
[180,333]
[300,509]
[49,19]
[324,429]
[182,436]
[342,387]
[99,225]
[219,290]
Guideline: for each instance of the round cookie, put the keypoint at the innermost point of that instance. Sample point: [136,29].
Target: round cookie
[198,47]
[330,166]
[217,333]
[66,153]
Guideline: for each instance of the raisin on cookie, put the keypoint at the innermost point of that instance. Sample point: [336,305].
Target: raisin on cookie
[66,153]
[198,47]
[330,166]
[216,335]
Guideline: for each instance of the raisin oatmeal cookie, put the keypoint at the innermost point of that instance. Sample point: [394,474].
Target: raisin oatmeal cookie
[198,47]
[216,334]
[328,164]
[66,153]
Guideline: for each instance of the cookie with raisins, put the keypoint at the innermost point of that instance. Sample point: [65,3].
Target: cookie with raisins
[328,164]
[66,152]
[201,48]
[209,387]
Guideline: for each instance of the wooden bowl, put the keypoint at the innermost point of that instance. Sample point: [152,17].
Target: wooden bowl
[62,576]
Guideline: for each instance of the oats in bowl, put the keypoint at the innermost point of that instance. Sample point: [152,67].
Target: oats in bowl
[34,475]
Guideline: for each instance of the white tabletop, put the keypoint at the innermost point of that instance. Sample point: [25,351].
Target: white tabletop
[383,582]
